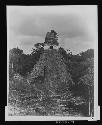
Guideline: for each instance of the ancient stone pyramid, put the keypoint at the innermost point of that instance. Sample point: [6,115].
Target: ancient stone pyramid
[52,69]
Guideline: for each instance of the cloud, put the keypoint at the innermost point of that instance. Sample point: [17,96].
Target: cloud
[75,24]
[77,45]
[70,26]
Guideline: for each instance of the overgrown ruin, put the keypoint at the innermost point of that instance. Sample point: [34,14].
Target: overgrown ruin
[51,69]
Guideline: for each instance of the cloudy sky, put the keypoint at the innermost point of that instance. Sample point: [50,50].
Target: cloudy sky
[76,26]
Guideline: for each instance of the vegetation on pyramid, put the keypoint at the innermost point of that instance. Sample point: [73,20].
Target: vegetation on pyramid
[52,69]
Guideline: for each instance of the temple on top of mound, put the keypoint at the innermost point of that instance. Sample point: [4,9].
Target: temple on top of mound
[50,71]
[51,39]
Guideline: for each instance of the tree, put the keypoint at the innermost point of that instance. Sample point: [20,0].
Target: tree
[87,54]
[15,51]
[14,58]
[39,45]
[87,80]
[51,39]
[63,53]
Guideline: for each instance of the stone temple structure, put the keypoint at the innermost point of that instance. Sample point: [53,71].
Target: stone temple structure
[50,73]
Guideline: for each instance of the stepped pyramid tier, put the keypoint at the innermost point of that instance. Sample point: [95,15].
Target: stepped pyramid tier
[50,72]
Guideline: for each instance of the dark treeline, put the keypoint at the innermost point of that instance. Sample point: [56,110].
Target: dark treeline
[24,63]
[21,62]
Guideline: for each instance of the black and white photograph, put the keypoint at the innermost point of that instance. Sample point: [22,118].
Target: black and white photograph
[52,62]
